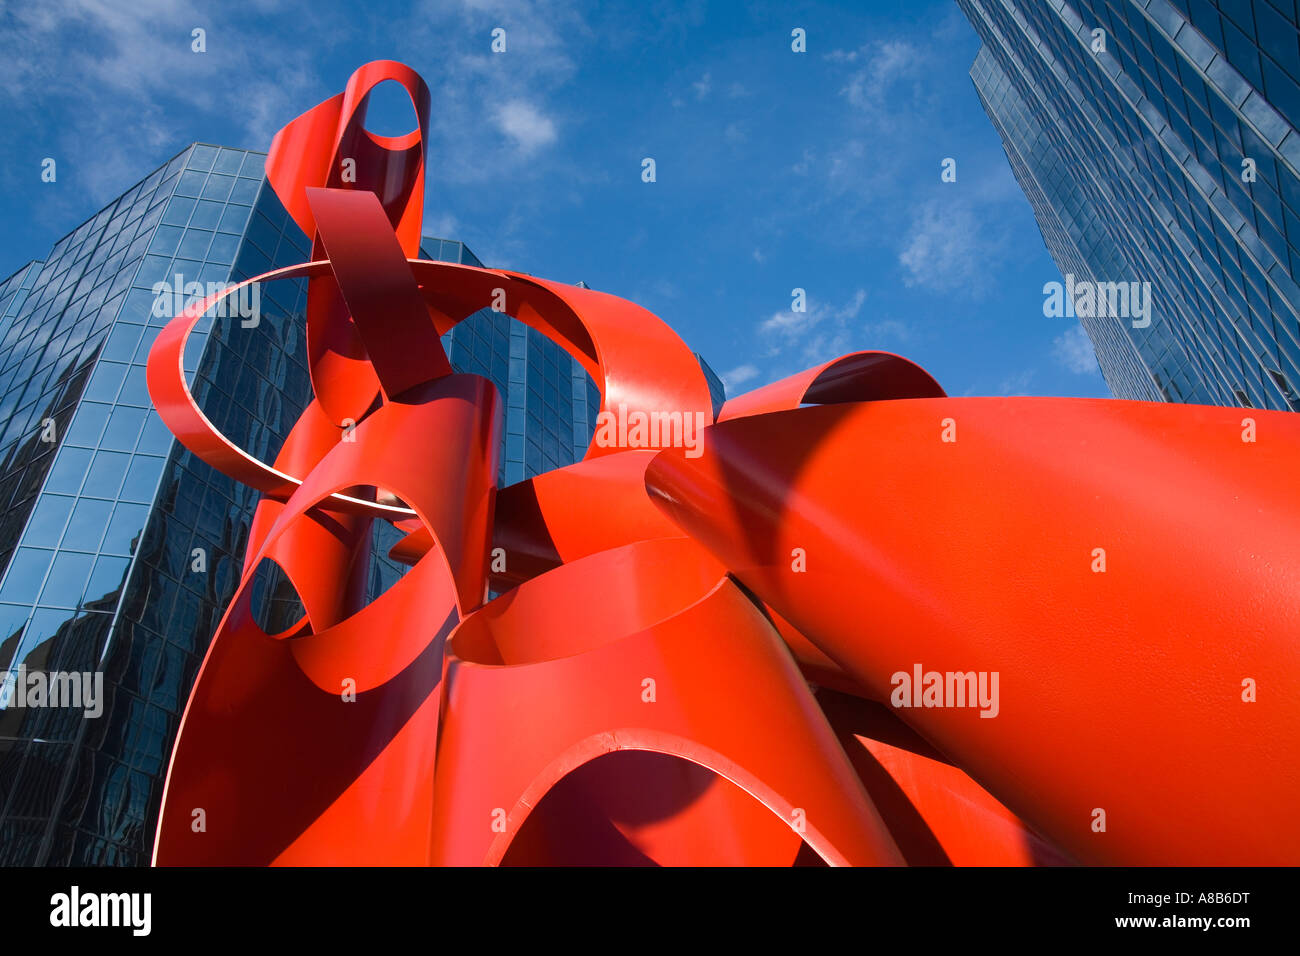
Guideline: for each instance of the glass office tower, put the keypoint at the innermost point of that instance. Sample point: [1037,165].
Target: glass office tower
[1156,142]
[119,549]
[549,400]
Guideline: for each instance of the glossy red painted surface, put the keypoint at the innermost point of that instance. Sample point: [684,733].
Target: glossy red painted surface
[694,657]
[1120,689]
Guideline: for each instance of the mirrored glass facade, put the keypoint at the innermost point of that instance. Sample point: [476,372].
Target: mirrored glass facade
[119,550]
[104,509]
[549,400]
[1156,142]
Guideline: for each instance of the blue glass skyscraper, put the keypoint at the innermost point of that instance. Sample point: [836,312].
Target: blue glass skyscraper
[550,401]
[1156,141]
[103,514]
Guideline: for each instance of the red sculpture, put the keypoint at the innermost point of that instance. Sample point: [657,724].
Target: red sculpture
[859,623]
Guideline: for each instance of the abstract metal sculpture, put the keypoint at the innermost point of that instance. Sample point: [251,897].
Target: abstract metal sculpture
[708,656]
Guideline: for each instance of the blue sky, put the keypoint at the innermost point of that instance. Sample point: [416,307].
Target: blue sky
[775,170]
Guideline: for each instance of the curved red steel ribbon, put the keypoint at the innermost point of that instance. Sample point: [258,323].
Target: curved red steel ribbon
[640,692]
[266,714]
[329,147]
[1119,689]
[373,277]
[170,392]
[635,674]
[856,377]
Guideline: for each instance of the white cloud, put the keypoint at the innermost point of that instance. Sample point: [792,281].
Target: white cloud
[522,122]
[820,333]
[789,322]
[444,225]
[891,102]
[1016,383]
[738,376]
[886,330]
[135,71]
[702,86]
[889,81]
[846,161]
[947,249]
[853,307]
[467,80]
[135,93]
[1073,350]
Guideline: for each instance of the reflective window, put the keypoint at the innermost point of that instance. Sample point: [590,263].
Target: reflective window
[89,519]
[48,519]
[67,579]
[26,574]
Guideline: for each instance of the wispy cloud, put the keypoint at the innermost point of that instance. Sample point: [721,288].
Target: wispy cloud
[135,91]
[893,107]
[513,88]
[1073,351]
[948,248]
[886,331]
[495,117]
[1017,383]
[892,78]
[522,122]
[135,70]
[444,225]
[738,376]
[819,333]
